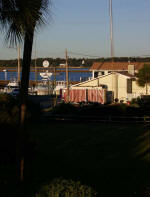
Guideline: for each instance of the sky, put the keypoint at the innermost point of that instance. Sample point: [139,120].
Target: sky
[83,27]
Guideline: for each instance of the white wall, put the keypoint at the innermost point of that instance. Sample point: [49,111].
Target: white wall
[138,91]
[122,87]
[114,81]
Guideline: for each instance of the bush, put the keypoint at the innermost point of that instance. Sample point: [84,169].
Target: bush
[138,101]
[7,144]
[66,188]
[96,109]
[33,111]
[65,108]
[9,109]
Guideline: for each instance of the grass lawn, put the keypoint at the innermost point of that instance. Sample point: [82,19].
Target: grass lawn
[101,155]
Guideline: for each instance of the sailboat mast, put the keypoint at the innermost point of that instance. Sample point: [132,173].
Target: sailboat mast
[111,29]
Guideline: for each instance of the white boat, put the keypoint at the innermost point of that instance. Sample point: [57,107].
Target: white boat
[48,87]
[45,75]
[13,84]
[44,88]
[59,86]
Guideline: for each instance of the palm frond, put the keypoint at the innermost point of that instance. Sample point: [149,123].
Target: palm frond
[20,16]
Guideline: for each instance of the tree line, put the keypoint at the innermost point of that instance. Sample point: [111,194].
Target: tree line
[71,61]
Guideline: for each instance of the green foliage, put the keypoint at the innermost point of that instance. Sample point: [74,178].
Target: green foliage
[137,108]
[72,61]
[65,108]
[144,76]
[137,102]
[19,17]
[66,188]
[9,109]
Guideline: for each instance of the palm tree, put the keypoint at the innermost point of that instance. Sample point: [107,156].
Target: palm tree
[37,19]
[19,19]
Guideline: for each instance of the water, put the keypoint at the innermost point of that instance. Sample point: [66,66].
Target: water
[61,76]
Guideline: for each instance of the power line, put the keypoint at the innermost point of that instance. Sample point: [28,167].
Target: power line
[144,56]
[81,54]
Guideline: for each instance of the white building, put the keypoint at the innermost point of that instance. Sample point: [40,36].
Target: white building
[104,68]
[122,84]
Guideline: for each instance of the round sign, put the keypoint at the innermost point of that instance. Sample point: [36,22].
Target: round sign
[45,63]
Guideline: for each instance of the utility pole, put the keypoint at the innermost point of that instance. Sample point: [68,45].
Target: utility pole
[18,48]
[115,76]
[67,76]
[55,99]
[18,67]
[111,29]
[54,77]
[35,66]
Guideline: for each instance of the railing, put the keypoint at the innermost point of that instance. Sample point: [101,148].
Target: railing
[111,119]
[32,82]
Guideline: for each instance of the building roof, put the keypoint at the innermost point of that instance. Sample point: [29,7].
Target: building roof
[117,66]
[125,73]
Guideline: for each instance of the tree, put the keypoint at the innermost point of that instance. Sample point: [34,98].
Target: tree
[34,14]
[19,19]
[144,77]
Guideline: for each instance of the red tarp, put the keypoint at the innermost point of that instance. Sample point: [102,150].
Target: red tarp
[85,95]
[95,95]
[77,95]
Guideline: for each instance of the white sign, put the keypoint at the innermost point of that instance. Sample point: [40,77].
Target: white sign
[45,63]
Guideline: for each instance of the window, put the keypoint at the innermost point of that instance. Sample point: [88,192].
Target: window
[129,86]
[95,74]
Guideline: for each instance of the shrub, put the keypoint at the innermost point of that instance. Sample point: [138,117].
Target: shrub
[66,188]
[33,111]
[9,109]
[65,108]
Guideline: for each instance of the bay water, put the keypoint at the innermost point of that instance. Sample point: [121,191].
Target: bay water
[60,76]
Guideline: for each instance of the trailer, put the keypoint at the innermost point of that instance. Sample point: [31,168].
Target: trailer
[80,94]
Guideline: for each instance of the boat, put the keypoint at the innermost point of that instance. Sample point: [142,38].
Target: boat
[13,84]
[59,86]
[45,75]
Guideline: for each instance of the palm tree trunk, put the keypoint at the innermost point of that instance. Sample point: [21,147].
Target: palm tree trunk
[28,42]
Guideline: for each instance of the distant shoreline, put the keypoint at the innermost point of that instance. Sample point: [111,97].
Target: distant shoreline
[73,62]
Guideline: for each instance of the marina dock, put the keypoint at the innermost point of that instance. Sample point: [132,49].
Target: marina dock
[31,82]
[50,69]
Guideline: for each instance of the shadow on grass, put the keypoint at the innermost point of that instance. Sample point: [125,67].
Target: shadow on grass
[111,158]
[104,156]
